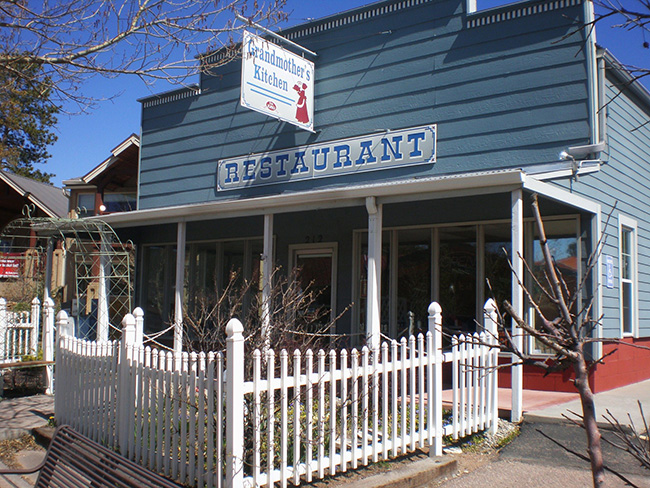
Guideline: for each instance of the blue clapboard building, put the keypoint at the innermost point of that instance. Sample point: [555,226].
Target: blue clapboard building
[434,123]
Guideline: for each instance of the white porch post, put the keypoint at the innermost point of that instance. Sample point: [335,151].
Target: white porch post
[47,289]
[373,314]
[180,283]
[267,273]
[102,294]
[517,207]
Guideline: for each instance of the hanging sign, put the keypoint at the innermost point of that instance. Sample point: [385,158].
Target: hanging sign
[277,82]
[390,149]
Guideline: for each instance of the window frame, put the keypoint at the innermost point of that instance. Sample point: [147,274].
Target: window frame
[627,224]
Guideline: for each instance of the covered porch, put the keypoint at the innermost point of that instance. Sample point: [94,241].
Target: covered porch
[381,249]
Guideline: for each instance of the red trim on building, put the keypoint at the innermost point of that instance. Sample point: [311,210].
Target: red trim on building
[627,365]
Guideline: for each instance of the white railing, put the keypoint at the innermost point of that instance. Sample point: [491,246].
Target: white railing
[18,332]
[205,420]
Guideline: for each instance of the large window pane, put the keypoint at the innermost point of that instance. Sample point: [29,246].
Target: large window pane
[458,278]
[413,281]
[563,243]
[498,249]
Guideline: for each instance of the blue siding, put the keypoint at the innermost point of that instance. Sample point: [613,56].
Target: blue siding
[508,94]
[624,182]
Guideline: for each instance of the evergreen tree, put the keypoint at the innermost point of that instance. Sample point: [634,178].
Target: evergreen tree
[27,117]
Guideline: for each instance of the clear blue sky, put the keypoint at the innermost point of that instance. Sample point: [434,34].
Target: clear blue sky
[85,140]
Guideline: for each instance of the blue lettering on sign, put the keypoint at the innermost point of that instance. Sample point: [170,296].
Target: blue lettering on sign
[342,156]
[393,150]
[300,161]
[416,138]
[320,166]
[281,159]
[390,149]
[231,170]
[366,155]
[265,167]
[249,170]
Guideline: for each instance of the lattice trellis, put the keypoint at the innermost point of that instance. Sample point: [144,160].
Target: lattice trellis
[103,267]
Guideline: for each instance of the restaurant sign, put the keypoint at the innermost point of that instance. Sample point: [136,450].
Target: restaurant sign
[277,82]
[383,150]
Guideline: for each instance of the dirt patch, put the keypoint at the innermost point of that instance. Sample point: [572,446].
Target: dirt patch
[9,448]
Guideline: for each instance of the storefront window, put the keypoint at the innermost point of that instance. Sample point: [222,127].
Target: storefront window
[413,281]
[498,250]
[457,263]
[563,243]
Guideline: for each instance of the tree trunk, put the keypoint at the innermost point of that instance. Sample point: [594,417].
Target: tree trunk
[589,418]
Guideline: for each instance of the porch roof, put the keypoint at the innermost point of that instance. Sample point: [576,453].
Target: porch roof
[456,185]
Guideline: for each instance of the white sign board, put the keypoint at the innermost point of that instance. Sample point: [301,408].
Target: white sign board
[372,152]
[609,272]
[277,82]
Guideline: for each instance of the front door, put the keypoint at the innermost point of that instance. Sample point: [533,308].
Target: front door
[315,271]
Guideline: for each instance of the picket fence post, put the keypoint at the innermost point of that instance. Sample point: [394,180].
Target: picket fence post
[490,314]
[138,313]
[234,404]
[4,344]
[35,320]
[48,343]
[125,391]
[63,325]
[435,327]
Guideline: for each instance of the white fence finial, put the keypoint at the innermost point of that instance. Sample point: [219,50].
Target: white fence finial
[63,324]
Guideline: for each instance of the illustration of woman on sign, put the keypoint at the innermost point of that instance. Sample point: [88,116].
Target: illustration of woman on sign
[302,115]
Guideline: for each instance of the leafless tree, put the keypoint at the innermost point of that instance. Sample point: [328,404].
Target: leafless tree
[73,40]
[630,15]
[567,332]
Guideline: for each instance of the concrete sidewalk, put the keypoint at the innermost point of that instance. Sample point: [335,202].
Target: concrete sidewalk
[19,416]
[621,402]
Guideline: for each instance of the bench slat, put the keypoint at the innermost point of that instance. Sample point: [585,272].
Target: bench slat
[74,460]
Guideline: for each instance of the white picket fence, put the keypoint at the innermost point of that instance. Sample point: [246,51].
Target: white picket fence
[197,418]
[18,332]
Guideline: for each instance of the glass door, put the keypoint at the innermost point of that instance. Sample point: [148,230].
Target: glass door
[316,275]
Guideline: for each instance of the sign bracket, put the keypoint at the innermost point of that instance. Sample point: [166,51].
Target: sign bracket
[273,34]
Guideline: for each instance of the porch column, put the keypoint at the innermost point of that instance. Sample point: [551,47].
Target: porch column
[47,287]
[373,313]
[102,294]
[267,274]
[180,283]
[517,207]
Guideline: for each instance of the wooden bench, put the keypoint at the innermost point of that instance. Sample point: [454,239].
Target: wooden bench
[73,460]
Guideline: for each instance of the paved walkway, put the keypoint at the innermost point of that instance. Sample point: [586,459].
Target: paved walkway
[621,402]
[19,416]
[531,460]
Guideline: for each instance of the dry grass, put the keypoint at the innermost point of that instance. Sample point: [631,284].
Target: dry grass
[9,448]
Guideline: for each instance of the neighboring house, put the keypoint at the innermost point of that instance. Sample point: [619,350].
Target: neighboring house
[41,199]
[433,125]
[20,198]
[111,186]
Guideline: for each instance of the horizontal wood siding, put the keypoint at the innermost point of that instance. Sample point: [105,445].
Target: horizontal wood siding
[624,182]
[508,94]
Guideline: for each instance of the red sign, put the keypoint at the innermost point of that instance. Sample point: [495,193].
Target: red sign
[10,265]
